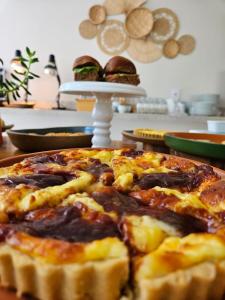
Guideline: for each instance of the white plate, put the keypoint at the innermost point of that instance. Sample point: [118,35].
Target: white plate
[94,87]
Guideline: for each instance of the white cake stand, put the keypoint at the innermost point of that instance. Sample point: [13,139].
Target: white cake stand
[102,112]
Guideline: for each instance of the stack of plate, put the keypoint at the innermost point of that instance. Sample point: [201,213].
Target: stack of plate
[204,105]
[216,126]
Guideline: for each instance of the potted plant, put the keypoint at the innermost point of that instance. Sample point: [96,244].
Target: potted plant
[12,88]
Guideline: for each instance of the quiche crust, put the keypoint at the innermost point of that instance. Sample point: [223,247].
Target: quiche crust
[105,280]
[205,281]
[89,281]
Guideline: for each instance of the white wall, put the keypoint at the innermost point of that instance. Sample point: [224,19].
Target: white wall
[51,26]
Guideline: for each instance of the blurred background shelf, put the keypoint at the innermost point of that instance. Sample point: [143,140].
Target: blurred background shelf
[37,118]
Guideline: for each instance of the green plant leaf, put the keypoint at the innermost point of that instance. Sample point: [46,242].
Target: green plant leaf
[19,73]
[23,59]
[12,87]
[17,94]
[26,90]
[14,96]
[35,75]
[5,85]
[34,60]
[15,77]
[25,82]
[9,83]
[13,84]
[24,65]
[29,53]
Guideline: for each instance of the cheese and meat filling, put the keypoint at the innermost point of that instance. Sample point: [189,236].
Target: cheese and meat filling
[180,253]
[66,234]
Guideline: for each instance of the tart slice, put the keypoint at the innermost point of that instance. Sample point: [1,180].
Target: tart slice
[192,267]
[64,253]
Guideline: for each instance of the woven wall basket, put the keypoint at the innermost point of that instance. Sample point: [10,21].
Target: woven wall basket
[132,4]
[114,7]
[139,22]
[171,49]
[97,14]
[187,44]
[112,37]
[166,25]
[144,51]
[87,29]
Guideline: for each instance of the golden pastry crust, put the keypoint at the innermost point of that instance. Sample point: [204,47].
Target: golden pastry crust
[63,282]
[204,281]
[61,252]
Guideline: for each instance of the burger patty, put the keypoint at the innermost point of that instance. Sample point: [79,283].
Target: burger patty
[123,78]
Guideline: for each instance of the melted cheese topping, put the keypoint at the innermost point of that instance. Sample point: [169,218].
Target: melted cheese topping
[31,168]
[16,169]
[123,165]
[10,198]
[84,199]
[61,252]
[89,202]
[214,196]
[177,163]
[146,233]
[79,153]
[180,253]
[124,182]
[52,196]
[146,163]
[105,156]
[150,158]
[160,169]
[187,199]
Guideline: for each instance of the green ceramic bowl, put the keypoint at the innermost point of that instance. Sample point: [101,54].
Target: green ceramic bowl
[201,144]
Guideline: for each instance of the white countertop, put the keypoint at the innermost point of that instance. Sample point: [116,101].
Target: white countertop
[36,118]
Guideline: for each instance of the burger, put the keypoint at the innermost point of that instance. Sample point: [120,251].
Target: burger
[121,70]
[86,68]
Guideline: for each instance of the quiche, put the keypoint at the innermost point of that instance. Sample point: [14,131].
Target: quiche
[103,224]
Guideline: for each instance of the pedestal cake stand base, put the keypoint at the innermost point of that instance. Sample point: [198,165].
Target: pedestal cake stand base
[102,113]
